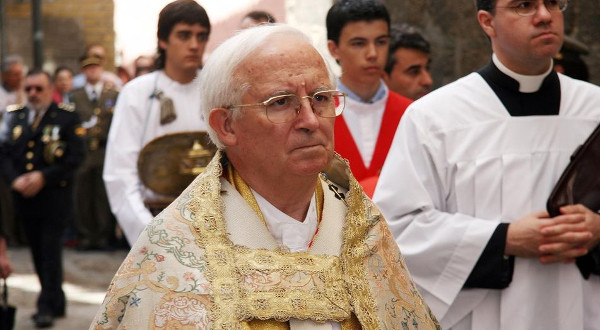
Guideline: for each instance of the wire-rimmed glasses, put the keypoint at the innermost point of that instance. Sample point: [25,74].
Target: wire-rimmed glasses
[529,8]
[284,108]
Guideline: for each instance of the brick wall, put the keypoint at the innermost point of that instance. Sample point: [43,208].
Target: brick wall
[68,26]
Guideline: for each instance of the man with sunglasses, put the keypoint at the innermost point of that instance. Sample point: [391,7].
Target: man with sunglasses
[40,149]
[275,233]
[163,102]
[469,174]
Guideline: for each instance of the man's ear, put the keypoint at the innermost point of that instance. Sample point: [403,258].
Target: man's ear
[333,49]
[162,44]
[221,122]
[386,78]
[486,21]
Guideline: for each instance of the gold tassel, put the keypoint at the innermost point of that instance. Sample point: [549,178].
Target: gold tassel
[167,109]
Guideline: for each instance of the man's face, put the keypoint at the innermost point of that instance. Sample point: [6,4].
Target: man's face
[410,75]
[362,51]
[93,73]
[524,42]
[301,147]
[13,77]
[185,46]
[38,90]
[99,52]
[63,81]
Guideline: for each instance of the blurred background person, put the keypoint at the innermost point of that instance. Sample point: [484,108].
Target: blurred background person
[256,17]
[94,103]
[13,72]
[63,84]
[568,60]
[11,93]
[409,59]
[123,74]
[108,77]
[143,64]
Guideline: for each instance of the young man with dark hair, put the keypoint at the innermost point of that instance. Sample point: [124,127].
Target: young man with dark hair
[163,102]
[407,68]
[358,38]
[471,169]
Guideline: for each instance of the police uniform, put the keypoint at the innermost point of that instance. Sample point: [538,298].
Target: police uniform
[95,222]
[54,147]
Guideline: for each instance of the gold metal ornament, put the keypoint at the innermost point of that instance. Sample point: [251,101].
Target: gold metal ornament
[17,131]
[168,164]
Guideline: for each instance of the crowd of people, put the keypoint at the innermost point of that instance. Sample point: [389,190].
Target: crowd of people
[279,230]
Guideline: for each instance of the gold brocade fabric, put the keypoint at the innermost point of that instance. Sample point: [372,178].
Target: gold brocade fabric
[240,185]
[264,284]
[184,272]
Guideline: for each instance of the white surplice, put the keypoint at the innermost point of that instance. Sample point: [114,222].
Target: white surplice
[459,165]
[136,121]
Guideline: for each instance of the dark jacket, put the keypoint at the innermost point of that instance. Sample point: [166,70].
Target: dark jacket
[55,147]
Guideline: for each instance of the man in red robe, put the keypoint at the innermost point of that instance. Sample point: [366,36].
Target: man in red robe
[358,34]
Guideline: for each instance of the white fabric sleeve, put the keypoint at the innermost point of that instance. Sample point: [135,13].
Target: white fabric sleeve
[120,175]
[415,194]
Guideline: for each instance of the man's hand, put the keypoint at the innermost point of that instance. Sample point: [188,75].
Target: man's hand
[523,237]
[29,184]
[564,241]
[19,183]
[5,267]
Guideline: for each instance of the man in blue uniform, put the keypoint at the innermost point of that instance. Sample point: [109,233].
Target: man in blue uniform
[40,149]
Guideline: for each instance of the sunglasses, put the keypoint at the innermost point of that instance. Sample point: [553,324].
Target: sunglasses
[37,88]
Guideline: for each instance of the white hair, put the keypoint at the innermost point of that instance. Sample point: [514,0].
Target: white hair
[219,86]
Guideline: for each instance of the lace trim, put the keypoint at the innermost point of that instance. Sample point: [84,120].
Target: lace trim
[354,254]
[260,284]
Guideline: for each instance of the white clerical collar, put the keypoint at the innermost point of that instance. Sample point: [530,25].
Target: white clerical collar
[527,84]
[288,231]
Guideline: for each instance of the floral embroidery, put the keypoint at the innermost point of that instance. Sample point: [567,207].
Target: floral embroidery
[179,279]
[188,276]
[177,311]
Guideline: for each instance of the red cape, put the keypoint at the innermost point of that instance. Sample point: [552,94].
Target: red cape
[346,146]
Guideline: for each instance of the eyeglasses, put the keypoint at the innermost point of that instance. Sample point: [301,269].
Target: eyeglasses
[36,88]
[529,8]
[284,108]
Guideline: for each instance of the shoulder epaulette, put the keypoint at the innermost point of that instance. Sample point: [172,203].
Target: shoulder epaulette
[67,107]
[15,107]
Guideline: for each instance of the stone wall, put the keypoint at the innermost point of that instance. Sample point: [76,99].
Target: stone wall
[460,46]
[68,26]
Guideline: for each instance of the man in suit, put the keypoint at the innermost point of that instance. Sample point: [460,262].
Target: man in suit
[94,102]
[40,149]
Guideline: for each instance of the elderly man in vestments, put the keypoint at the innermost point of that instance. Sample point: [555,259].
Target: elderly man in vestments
[469,173]
[275,233]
